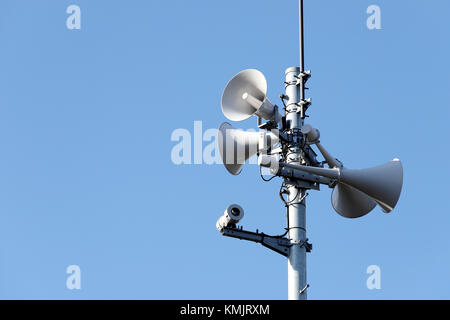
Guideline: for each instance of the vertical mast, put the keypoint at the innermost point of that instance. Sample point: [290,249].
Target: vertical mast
[296,206]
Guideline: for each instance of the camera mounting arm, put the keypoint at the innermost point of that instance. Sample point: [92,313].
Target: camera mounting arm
[280,245]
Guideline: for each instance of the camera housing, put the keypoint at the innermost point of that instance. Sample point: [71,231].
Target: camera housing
[232,215]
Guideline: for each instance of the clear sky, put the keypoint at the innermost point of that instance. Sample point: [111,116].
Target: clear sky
[87,179]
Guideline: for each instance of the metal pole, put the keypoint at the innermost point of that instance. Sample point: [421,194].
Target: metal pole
[297,203]
[297,284]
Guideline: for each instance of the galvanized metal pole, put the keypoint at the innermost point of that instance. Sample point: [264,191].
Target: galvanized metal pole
[295,91]
[297,203]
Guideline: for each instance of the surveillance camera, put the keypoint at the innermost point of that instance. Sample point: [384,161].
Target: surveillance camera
[232,215]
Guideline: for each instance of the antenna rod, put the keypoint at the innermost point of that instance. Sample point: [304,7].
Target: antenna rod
[302,47]
[301,37]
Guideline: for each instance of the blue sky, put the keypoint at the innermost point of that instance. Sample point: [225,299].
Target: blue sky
[86,176]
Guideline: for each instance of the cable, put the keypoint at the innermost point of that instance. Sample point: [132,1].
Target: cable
[262,177]
[281,195]
[287,210]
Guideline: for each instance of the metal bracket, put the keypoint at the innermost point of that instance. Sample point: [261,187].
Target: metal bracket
[269,125]
[305,103]
[284,137]
[280,245]
[312,156]
[304,76]
[306,244]
[277,244]
[304,289]
[303,198]
[275,151]
[301,183]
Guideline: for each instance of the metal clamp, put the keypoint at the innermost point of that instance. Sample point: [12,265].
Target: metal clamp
[304,289]
[305,244]
[304,76]
[305,103]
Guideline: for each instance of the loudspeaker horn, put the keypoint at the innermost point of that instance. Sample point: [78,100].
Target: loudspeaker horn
[383,184]
[346,200]
[246,95]
[237,146]
[351,203]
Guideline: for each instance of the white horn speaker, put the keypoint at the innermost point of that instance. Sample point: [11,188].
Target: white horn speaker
[351,203]
[383,184]
[346,200]
[246,95]
[237,146]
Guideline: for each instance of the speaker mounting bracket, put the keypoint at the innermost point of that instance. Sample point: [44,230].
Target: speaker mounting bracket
[269,125]
[303,184]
